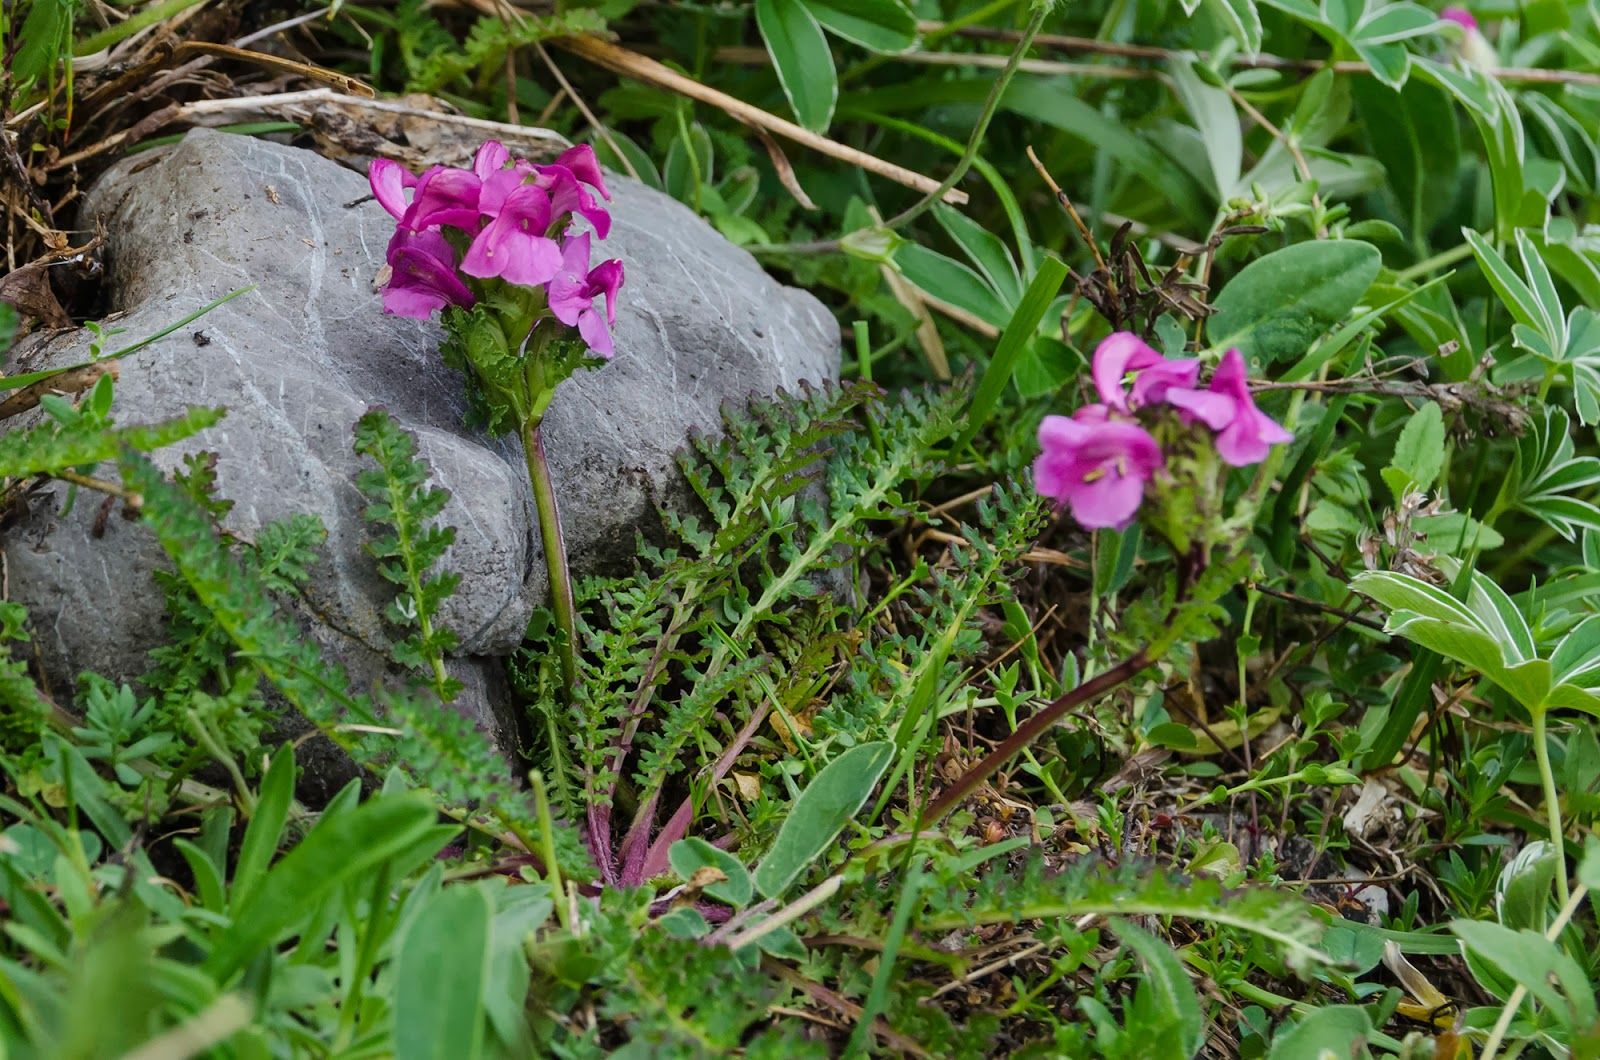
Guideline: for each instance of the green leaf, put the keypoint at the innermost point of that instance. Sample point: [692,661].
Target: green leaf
[1214,116]
[820,813]
[1019,331]
[1418,454]
[265,831]
[1054,102]
[802,59]
[1552,978]
[441,973]
[1413,132]
[1170,988]
[985,250]
[1332,1031]
[878,25]
[1549,474]
[947,280]
[1576,659]
[688,856]
[1279,304]
[337,849]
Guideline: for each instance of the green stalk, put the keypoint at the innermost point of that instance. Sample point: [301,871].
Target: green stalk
[975,141]
[1552,802]
[555,550]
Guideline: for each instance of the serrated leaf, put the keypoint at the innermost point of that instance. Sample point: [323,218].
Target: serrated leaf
[1418,452]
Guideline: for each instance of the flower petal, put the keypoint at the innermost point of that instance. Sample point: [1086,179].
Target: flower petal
[1109,501]
[492,157]
[1214,410]
[593,329]
[1114,358]
[389,180]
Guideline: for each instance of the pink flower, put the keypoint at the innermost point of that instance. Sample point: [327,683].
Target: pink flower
[568,195]
[490,158]
[514,246]
[423,275]
[576,286]
[1124,352]
[1460,16]
[444,196]
[390,181]
[583,164]
[1244,432]
[1096,465]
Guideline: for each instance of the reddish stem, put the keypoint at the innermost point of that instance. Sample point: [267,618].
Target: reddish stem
[1030,731]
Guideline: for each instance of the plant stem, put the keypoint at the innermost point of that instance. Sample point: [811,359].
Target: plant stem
[1552,802]
[1443,259]
[555,550]
[975,141]
[1031,730]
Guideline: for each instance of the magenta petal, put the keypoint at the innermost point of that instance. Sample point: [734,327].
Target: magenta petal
[1114,358]
[445,197]
[1214,410]
[567,195]
[490,159]
[594,332]
[535,260]
[389,181]
[1108,502]
[420,283]
[569,294]
[585,167]
[1060,432]
[498,186]
[1460,16]
[1250,433]
[431,242]
[419,303]
[606,277]
[1240,446]
[1150,386]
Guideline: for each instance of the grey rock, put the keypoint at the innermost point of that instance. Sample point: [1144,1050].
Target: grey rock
[299,358]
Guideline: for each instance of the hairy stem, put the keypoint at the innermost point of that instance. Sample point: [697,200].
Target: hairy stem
[555,550]
[1552,802]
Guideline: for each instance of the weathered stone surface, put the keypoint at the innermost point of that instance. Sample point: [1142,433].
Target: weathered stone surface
[298,359]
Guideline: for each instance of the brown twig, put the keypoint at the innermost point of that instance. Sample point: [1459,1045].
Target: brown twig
[620,60]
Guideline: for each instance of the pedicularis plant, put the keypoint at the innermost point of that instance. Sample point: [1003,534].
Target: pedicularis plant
[1176,632]
[497,251]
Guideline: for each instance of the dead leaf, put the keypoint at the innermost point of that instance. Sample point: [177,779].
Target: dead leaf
[1363,816]
[749,786]
[28,291]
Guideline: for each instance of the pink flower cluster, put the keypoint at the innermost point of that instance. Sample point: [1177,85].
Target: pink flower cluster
[1098,460]
[508,219]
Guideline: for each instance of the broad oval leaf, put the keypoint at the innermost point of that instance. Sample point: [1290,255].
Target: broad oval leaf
[1278,304]
[820,814]
[688,856]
